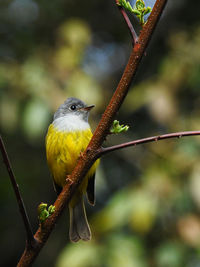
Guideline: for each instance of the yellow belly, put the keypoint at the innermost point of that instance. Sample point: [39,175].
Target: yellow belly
[63,150]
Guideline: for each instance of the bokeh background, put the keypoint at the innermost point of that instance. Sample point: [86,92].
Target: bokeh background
[148,197]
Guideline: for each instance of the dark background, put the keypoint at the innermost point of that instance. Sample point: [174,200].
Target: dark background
[148,197]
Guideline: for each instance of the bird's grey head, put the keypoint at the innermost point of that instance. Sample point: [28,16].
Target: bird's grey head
[73,106]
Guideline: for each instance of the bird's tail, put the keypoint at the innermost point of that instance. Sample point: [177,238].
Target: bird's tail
[79,227]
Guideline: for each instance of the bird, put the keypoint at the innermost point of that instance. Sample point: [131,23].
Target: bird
[67,137]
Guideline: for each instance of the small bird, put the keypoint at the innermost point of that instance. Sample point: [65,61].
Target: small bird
[67,137]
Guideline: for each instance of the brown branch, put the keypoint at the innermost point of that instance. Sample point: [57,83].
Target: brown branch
[128,22]
[22,209]
[106,150]
[91,153]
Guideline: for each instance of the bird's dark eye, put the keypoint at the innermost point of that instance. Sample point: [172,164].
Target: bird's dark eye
[73,107]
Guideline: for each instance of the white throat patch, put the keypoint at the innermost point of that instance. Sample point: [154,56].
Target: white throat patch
[70,123]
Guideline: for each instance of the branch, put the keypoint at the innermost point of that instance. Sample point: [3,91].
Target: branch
[29,234]
[106,150]
[128,22]
[91,153]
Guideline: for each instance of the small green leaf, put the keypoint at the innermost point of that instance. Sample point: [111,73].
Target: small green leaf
[117,128]
[147,10]
[125,4]
[42,207]
[136,12]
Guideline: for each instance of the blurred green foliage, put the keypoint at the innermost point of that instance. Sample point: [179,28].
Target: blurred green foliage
[148,197]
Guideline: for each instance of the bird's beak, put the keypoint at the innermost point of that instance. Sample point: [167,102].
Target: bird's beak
[88,108]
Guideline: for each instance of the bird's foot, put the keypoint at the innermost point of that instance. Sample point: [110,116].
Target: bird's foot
[69,180]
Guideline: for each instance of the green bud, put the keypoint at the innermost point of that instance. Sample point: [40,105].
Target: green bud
[140,5]
[43,213]
[51,209]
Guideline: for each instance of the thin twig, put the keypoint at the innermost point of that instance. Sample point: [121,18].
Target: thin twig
[29,233]
[128,22]
[105,150]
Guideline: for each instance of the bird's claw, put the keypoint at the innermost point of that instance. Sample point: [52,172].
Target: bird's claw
[69,180]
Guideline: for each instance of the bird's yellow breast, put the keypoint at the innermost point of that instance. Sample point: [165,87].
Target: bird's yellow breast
[63,149]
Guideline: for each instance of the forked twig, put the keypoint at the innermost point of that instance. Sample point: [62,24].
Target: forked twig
[128,22]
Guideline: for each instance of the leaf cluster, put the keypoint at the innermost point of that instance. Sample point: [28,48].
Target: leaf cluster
[140,10]
[44,213]
[117,128]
